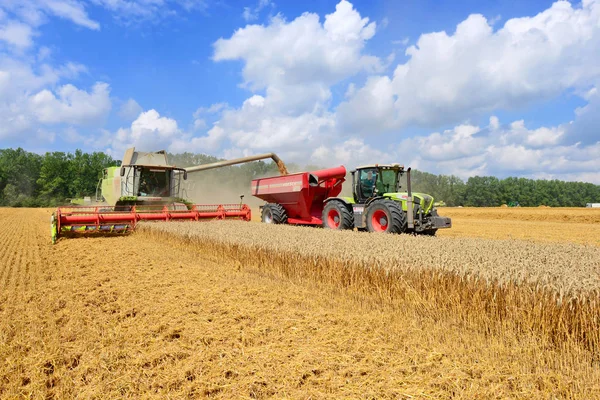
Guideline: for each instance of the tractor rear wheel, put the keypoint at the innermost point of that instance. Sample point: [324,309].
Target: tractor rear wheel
[273,213]
[337,216]
[385,216]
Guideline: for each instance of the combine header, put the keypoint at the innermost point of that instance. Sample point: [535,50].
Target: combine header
[146,188]
[103,219]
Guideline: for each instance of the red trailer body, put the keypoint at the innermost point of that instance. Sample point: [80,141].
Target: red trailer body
[301,194]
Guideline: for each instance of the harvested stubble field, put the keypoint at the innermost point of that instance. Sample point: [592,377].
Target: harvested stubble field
[243,310]
[576,225]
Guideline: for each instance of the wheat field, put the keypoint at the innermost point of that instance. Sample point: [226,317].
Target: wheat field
[243,310]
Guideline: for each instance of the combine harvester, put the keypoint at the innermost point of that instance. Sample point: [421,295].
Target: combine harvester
[377,203]
[146,188]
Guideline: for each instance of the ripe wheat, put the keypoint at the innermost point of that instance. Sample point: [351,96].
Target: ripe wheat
[550,288]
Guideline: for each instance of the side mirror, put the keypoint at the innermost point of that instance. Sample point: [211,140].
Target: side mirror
[122,171]
[185,175]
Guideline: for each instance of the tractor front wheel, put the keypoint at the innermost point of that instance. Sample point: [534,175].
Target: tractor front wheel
[337,216]
[273,213]
[385,216]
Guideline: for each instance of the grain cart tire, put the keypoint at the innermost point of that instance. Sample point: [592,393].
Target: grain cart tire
[337,216]
[273,213]
[385,216]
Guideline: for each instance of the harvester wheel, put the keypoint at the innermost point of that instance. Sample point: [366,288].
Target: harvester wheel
[385,216]
[273,213]
[337,216]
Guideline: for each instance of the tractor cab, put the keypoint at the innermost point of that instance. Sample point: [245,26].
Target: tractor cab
[371,181]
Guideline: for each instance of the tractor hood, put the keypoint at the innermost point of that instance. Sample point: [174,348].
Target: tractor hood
[424,200]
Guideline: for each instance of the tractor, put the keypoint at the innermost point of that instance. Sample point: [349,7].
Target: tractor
[377,203]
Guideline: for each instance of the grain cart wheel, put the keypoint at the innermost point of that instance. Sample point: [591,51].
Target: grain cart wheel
[385,216]
[273,213]
[337,216]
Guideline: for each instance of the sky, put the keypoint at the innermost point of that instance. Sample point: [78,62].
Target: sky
[504,88]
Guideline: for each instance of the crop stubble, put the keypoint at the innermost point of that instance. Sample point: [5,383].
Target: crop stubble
[149,315]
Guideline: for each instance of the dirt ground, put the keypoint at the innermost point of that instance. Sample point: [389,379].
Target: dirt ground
[121,317]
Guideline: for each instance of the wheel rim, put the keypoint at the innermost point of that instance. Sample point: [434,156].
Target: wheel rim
[268,217]
[379,221]
[333,219]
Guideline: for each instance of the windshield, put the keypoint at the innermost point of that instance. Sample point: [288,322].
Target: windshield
[368,177]
[387,181]
[154,183]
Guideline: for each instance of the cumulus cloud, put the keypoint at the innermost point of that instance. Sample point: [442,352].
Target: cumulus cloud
[26,103]
[449,77]
[294,63]
[149,132]
[130,110]
[501,150]
[71,105]
[301,51]
[16,34]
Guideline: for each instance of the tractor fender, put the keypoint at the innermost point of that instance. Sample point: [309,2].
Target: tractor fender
[372,199]
[346,200]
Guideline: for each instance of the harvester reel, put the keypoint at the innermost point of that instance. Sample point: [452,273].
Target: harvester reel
[337,216]
[273,213]
[385,216]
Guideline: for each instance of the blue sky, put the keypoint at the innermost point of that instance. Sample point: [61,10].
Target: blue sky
[503,88]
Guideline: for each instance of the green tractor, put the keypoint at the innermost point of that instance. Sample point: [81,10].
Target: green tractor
[378,204]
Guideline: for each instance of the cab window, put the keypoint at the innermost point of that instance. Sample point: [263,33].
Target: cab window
[153,183]
[387,181]
[368,178]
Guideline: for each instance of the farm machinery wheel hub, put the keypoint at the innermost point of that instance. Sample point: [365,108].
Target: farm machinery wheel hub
[333,219]
[380,221]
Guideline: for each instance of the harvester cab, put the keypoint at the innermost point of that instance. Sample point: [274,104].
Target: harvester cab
[378,203]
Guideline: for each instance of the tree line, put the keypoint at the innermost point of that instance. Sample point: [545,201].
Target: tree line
[33,180]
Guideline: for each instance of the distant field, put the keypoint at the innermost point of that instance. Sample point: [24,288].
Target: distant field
[241,310]
[576,225]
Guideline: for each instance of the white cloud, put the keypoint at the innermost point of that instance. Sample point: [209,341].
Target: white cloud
[251,13]
[301,51]
[351,153]
[130,110]
[513,149]
[136,11]
[16,34]
[149,132]
[295,63]
[27,105]
[450,77]
[35,12]
[71,105]
[213,109]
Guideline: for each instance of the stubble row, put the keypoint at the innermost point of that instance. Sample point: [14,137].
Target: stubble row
[552,289]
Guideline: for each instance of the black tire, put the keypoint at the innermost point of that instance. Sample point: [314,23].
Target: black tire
[273,213]
[337,216]
[385,216]
[429,232]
